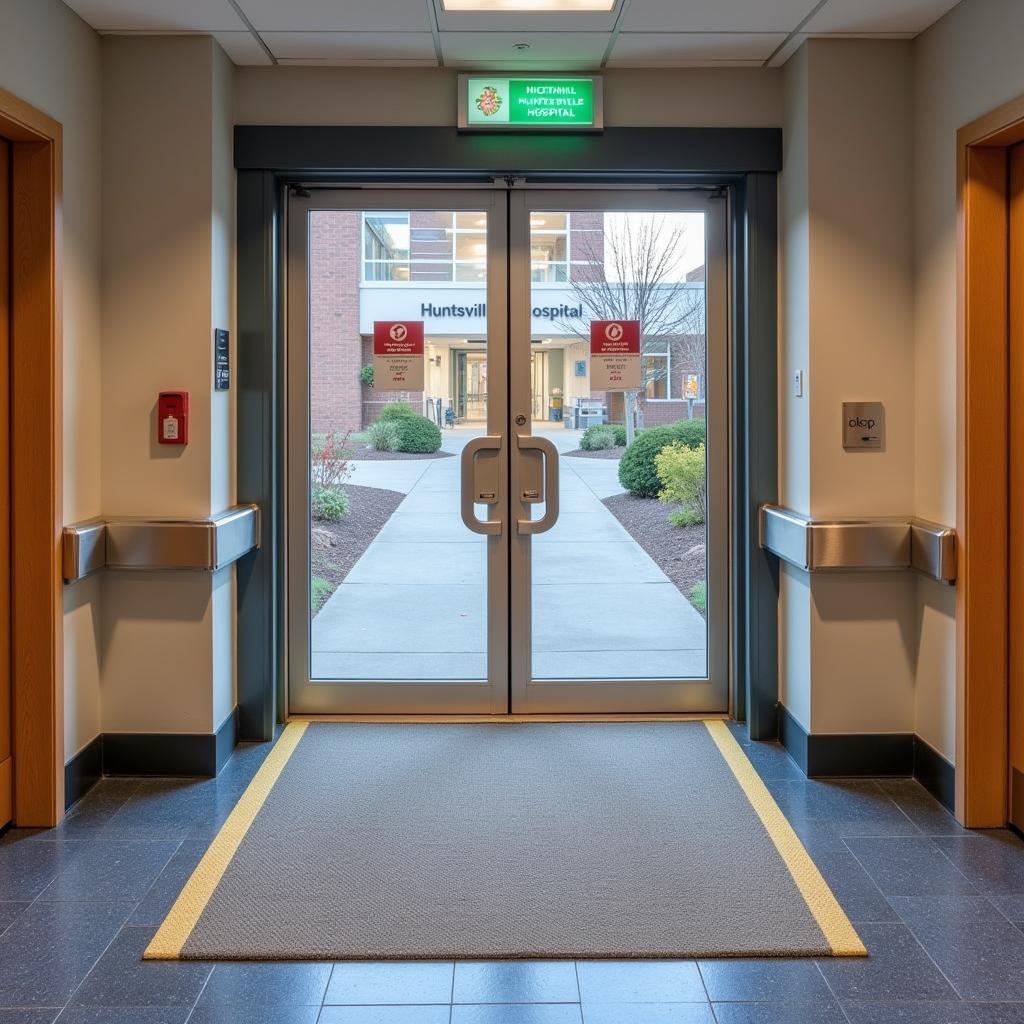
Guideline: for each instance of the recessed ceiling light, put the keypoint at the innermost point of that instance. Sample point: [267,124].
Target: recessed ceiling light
[513,6]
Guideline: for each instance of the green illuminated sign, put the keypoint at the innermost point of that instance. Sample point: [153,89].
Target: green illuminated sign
[521,103]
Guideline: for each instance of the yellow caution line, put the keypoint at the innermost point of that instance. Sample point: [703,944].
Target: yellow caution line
[172,935]
[830,916]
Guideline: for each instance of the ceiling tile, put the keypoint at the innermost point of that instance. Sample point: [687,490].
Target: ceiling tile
[158,15]
[335,16]
[555,50]
[526,21]
[878,16]
[664,49]
[351,46]
[715,15]
[242,48]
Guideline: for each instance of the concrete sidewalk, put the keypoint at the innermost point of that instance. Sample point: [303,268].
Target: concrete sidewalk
[414,605]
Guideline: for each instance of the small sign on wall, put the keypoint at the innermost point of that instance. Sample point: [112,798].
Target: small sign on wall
[221,360]
[398,355]
[863,426]
[615,355]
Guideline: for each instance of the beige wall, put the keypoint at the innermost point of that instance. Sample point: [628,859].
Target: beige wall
[51,59]
[965,65]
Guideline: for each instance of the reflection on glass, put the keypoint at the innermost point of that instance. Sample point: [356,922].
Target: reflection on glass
[620,582]
[397,582]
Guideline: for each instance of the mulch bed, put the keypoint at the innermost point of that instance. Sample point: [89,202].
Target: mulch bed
[365,454]
[336,547]
[679,551]
[603,453]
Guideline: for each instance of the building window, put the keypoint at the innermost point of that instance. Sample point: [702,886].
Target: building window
[385,246]
[425,246]
[469,242]
[656,375]
[549,248]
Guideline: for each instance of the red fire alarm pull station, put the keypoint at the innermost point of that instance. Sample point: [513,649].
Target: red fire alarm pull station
[172,417]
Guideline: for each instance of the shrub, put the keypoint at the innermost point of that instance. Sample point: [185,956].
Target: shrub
[396,411]
[329,504]
[602,436]
[382,436]
[366,375]
[319,590]
[690,432]
[418,434]
[699,597]
[637,472]
[683,477]
[329,468]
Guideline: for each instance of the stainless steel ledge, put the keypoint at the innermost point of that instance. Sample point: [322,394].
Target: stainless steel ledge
[199,545]
[864,545]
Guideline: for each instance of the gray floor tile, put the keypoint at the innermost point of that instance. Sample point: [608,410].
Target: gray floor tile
[779,1013]
[9,912]
[517,1013]
[1011,907]
[46,953]
[516,981]
[160,897]
[920,807]
[909,867]
[211,1014]
[772,760]
[640,981]
[28,867]
[376,984]
[35,1016]
[854,807]
[266,984]
[384,1015]
[856,891]
[111,871]
[124,1015]
[648,1013]
[992,860]
[979,951]
[122,978]
[934,1013]
[748,981]
[896,968]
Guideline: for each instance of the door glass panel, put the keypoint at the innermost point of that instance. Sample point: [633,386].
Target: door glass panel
[620,583]
[398,583]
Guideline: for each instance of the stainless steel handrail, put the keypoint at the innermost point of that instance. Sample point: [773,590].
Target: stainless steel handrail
[121,542]
[871,544]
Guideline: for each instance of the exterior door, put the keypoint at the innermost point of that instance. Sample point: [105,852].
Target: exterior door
[511,562]
[6,695]
[1016,439]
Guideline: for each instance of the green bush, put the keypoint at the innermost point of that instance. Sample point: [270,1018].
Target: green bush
[329,504]
[396,411]
[597,437]
[418,434]
[382,436]
[319,590]
[683,477]
[690,432]
[366,375]
[699,597]
[637,472]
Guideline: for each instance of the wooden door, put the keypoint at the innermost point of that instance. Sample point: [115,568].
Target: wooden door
[1016,407]
[6,754]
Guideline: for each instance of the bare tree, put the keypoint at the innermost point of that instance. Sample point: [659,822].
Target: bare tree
[629,271]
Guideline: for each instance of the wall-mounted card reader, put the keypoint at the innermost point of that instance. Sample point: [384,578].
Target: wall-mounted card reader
[172,417]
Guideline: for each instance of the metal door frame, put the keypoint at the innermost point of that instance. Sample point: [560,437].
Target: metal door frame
[307,696]
[530,696]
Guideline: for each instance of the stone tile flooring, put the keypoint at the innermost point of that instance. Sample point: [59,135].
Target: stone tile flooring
[941,910]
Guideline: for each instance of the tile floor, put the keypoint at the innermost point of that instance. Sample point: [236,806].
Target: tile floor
[941,910]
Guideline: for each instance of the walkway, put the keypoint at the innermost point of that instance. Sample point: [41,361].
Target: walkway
[414,605]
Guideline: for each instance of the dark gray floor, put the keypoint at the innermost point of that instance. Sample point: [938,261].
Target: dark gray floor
[941,910]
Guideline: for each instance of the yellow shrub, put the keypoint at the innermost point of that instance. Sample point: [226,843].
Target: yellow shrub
[683,475]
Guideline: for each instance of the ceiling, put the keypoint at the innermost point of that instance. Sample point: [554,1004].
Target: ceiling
[420,33]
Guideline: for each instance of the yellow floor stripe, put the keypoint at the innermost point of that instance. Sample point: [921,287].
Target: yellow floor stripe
[172,935]
[825,908]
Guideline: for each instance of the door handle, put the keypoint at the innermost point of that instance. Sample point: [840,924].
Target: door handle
[550,454]
[483,487]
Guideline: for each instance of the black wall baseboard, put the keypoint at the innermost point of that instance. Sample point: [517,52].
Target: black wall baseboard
[149,754]
[880,754]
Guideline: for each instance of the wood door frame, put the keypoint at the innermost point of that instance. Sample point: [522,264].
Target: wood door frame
[983,479]
[37,668]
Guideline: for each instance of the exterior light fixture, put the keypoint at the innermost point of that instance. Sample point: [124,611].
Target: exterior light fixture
[515,6]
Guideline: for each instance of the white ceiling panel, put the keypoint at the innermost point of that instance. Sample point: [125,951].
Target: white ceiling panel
[878,16]
[351,46]
[242,48]
[555,50]
[158,15]
[716,15]
[526,21]
[682,49]
[338,15]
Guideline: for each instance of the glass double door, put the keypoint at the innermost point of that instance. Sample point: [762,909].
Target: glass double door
[507,452]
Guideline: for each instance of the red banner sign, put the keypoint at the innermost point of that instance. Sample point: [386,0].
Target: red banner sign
[614,355]
[398,355]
